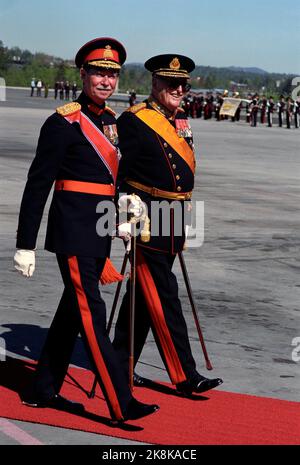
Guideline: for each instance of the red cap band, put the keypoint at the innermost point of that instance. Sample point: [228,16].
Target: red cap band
[103,54]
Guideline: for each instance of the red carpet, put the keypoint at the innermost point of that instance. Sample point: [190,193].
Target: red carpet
[216,417]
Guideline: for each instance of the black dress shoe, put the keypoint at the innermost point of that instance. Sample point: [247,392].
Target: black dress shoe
[136,410]
[199,385]
[57,402]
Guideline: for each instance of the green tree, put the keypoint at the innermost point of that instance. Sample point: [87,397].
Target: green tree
[285,87]
[3,56]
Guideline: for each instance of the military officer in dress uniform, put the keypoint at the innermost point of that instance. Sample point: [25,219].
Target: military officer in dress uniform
[77,152]
[158,164]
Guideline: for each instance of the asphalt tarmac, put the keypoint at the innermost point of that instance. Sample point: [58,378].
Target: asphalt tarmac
[245,276]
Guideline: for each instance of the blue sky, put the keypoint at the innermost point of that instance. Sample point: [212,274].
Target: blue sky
[263,33]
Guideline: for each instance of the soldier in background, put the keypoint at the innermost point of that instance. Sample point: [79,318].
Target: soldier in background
[236,117]
[248,111]
[194,107]
[200,105]
[186,105]
[296,113]
[61,90]
[270,110]
[39,86]
[74,91]
[254,107]
[132,98]
[238,111]
[67,90]
[56,89]
[281,108]
[218,104]
[263,109]
[289,111]
[209,105]
[32,85]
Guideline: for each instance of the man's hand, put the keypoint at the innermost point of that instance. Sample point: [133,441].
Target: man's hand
[124,231]
[24,262]
[132,204]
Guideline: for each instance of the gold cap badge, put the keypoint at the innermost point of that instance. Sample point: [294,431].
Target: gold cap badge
[175,64]
[107,52]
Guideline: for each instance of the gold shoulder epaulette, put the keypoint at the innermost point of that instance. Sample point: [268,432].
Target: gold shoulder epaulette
[109,110]
[137,107]
[68,108]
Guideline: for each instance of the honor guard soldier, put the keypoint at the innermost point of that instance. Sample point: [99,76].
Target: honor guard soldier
[248,111]
[74,91]
[289,109]
[158,164]
[270,110]
[237,115]
[281,108]
[296,113]
[254,107]
[263,109]
[200,106]
[218,105]
[77,153]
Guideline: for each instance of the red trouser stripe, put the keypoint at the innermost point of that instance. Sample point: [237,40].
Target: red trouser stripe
[157,315]
[92,340]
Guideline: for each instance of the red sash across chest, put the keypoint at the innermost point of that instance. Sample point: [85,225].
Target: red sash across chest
[105,150]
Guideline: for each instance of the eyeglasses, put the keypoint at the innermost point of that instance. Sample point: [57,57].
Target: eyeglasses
[175,83]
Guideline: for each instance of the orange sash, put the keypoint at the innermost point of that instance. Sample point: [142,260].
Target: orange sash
[164,128]
[105,150]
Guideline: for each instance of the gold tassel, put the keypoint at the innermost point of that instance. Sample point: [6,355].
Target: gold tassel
[110,274]
[145,233]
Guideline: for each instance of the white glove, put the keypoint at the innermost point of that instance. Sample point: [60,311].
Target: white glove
[132,204]
[124,231]
[24,261]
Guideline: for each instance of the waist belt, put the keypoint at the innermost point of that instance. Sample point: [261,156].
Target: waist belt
[84,187]
[160,193]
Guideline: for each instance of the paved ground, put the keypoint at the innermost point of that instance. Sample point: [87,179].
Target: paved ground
[245,276]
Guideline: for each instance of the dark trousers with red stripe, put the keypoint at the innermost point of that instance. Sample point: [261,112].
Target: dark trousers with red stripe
[157,306]
[81,310]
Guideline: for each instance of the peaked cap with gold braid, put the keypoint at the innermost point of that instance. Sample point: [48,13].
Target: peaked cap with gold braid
[103,52]
[170,65]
